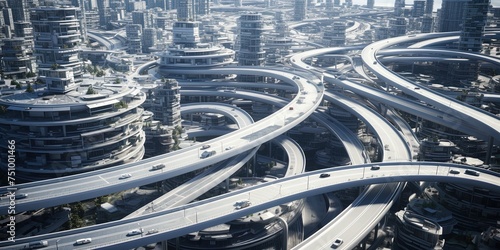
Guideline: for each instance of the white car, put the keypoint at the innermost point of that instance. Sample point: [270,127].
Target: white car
[125,176]
[229,147]
[83,241]
[134,232]
[159,166]
[337,243]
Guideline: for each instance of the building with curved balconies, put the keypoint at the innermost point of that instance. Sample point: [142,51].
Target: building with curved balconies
[414,231]
[57,36]
[187,52]
[93,126]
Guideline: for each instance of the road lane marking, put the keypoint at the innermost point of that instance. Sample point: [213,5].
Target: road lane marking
[103,179]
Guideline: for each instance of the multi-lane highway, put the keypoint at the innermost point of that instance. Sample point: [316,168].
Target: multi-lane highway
[196,216]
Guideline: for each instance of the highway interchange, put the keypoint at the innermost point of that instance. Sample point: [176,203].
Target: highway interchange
[199,215]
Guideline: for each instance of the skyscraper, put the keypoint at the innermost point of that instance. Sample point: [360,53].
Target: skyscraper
[251,52]
[451,15]
[185,10]
[20,10]
[370,4]
[300,9]
[429,5]
[471,37]
[418,8]
[57,37]
[399,6]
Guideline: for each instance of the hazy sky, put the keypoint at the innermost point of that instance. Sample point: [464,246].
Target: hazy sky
[390,3]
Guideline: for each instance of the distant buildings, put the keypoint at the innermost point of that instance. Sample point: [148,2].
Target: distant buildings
[300,9]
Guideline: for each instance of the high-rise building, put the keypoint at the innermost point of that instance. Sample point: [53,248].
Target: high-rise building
[185,10]
[427,24]
[399,6]
[57,38]
[471,36]
[451,15]
[17,58]
[166,103]
[202,7]
[429,6]
[20,10]
[251,52]
[143,18]
[149,39]
[475,15]
[188,52]
[335,36]
[418,8]
[370,4]
[8,19]
[398,26]
[134,38]
[329,4]
[104,13]
[300,10]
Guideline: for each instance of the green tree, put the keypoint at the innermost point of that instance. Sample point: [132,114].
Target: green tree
[91,91]
[29,88]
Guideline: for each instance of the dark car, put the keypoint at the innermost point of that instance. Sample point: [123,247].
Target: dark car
[375,167]
[471,172]
[324,175]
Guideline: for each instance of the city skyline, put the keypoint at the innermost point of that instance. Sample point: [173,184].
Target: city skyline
[135,127]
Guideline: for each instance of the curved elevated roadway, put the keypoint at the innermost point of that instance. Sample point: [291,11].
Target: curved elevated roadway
[196,216]
[210,178]
[69,189]
[483,120]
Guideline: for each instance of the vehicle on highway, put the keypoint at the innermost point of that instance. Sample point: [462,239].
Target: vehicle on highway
[290,108]
[416,88]
[229,147]
[125,176]
[159,166]
[134,232]
[152,231]
[337,243]
[207,154]
[21,196]
[324,175]
[375,167]
[205,146]
[242,204]
[471,172]
[454,171]
[83,241]
[38,244]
